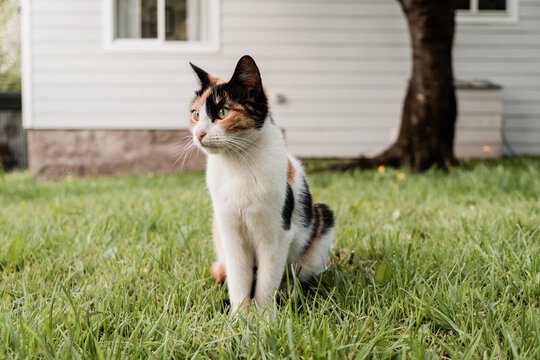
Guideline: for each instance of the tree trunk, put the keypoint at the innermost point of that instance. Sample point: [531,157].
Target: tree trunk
[426,135]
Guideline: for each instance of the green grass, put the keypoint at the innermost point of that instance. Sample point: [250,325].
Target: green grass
[430,266]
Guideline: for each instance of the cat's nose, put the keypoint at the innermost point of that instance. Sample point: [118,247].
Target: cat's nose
[201,135]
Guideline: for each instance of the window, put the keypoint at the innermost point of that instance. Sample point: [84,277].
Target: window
[170,25]
[487,11]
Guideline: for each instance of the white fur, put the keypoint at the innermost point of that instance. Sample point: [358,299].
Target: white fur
[247,178]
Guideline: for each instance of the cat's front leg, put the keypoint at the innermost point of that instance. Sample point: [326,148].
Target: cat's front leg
[239,262]
[218,268]
[271,259]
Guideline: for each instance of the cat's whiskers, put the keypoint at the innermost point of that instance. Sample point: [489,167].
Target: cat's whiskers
[251,147]
[180,147]
[220,143]
[246,144]
[182,140]
[182,156]
[244,149]
[181,144]
[186,151]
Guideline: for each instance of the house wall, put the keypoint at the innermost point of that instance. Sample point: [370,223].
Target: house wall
[341,65]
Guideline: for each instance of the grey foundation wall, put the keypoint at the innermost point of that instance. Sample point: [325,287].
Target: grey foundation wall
[54,154]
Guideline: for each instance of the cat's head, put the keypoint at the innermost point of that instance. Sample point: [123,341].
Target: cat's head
[226,116]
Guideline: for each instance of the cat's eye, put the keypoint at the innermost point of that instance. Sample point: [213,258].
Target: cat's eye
[195,115]
[222,112]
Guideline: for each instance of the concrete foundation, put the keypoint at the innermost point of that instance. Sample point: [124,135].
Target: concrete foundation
[54,154]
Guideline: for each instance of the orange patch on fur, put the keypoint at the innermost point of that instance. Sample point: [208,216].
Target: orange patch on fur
[218,272]
[237,120]
[216,80]
[290,171]
[198,102]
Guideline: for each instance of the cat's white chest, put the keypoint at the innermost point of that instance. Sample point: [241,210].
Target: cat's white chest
[240,188]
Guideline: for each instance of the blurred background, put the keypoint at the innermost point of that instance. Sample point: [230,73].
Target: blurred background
[106,83]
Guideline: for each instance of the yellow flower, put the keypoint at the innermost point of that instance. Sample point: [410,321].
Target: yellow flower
[400,176]
[487,148]
[395,186]
[69,178]
[151,174]
[381,169]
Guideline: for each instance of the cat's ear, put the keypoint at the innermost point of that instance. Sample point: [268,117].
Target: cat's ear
[204,77]
[247,77]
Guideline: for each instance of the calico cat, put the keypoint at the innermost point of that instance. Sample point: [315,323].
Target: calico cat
[264,218]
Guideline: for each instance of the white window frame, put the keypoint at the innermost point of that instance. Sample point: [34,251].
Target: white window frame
[476,16]
[210,30]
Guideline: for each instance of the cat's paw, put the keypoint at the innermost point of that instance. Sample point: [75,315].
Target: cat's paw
[218,272]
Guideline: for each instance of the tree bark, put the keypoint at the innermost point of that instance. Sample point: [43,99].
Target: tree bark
[426,135]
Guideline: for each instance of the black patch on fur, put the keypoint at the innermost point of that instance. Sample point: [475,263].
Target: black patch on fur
[213,107]
[323,217]
[204,78]
[245,87]
[316,223]
[256,107]
[307,204]
[226,94]
[287,210]
[327,216]
[254,282]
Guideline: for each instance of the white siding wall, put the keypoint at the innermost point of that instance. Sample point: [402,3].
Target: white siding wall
[341,64]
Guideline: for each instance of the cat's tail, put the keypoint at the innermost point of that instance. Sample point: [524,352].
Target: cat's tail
[314,258]
[323,221]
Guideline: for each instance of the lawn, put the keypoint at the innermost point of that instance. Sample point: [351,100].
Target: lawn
[424,266]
